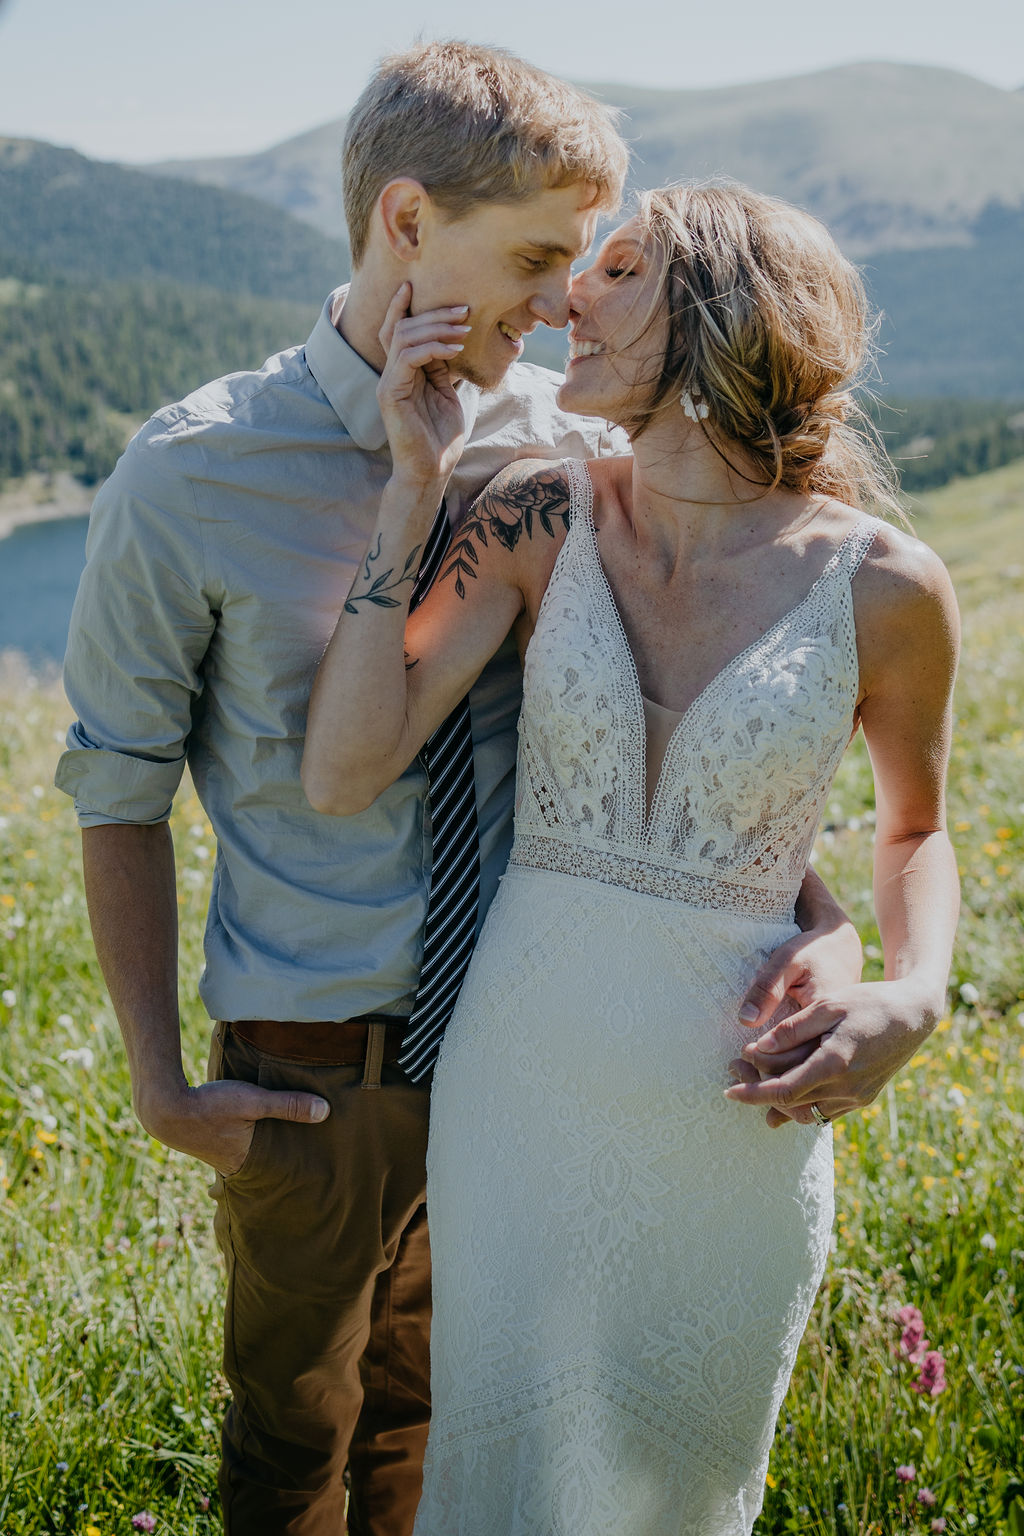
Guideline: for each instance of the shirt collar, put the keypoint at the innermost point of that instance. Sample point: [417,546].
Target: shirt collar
[350,384]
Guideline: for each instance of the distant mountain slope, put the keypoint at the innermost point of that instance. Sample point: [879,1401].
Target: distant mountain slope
[891,156]
[301,175]
[953,318]
[97,221]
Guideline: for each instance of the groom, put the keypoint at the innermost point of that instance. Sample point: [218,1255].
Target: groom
[220,552]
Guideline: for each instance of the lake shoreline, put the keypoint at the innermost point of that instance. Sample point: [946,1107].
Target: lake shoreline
[43,499]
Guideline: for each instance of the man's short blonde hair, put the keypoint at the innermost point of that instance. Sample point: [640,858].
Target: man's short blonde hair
[474,124]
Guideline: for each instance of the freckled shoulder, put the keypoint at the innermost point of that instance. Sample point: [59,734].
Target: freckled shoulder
[900,568]
[904,603]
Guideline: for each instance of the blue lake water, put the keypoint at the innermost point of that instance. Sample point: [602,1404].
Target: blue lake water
[39,570]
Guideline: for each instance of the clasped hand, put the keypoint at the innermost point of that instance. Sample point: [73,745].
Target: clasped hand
[418,400]
[837,1053]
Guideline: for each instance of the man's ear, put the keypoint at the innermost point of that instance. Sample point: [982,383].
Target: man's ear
[403,207]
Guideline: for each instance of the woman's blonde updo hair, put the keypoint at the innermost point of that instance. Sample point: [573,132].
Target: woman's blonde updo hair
[769,325]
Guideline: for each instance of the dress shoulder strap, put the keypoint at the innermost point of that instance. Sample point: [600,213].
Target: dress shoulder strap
[847,558]
[581,492]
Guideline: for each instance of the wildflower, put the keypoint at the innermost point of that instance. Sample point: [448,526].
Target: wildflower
[204,1502]
[62,1466]
[926,1497]
[939,1524]
[969,994]
[988,1241]
[955,1096]
[93,1530]
[932,1379]
[143,1521]
[906,1473]
[913,1344]
[82,1057]
[771,1481]
[8,997]
[47,1137]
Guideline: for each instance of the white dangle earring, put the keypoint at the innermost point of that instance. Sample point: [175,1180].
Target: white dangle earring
[694,406]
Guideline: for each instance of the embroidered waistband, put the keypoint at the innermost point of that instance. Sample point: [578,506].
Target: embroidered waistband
[649,878]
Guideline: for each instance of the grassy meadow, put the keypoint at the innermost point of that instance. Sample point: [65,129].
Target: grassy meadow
[110,1285]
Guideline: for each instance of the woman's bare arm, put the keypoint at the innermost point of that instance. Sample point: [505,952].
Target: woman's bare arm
[909,637]
[389,678]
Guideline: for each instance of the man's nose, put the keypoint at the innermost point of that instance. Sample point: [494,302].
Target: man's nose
[578,294]
[551,302]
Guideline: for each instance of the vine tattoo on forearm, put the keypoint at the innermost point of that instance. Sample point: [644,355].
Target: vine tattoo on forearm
[381,587]
[516,506]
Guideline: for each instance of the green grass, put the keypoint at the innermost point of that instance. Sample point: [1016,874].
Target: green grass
[109,1280]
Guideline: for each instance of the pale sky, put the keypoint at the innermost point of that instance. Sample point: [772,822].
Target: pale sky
[135,80]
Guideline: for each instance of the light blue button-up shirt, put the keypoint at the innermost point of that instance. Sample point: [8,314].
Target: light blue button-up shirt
[219,554]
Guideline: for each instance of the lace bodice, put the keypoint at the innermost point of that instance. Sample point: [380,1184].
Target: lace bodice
[746,771]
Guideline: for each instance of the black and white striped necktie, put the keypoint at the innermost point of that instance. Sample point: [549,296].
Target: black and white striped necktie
[455,878]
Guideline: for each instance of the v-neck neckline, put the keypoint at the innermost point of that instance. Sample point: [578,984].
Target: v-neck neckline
[648,818]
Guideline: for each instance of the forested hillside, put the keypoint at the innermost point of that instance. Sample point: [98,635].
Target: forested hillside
[99,222]
[935,441]
[81,366]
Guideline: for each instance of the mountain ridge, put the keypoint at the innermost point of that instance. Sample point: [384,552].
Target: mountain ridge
[932,148]
[94,219]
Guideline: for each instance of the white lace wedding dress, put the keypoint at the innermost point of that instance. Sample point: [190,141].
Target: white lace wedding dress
[625,1260]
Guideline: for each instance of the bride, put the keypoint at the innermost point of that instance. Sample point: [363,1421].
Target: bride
[624,1256]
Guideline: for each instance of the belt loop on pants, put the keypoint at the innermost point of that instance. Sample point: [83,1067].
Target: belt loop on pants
[376,1032]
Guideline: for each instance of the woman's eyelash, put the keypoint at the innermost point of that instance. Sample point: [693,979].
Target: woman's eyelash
[614,272]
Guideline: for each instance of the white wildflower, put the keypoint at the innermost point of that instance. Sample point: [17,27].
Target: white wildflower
[82,1057]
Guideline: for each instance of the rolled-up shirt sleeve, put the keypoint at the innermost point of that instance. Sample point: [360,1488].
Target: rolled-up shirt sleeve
[139,631]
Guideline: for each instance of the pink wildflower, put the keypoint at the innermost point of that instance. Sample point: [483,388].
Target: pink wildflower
[939,1524]
[932,1379]
[906,1474]
[143,1521]
[204,1501]
[925,1496]
[913,1344]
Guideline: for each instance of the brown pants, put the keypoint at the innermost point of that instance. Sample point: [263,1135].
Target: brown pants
[326,1332]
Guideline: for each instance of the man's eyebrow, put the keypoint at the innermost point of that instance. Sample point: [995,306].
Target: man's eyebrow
[552,248]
